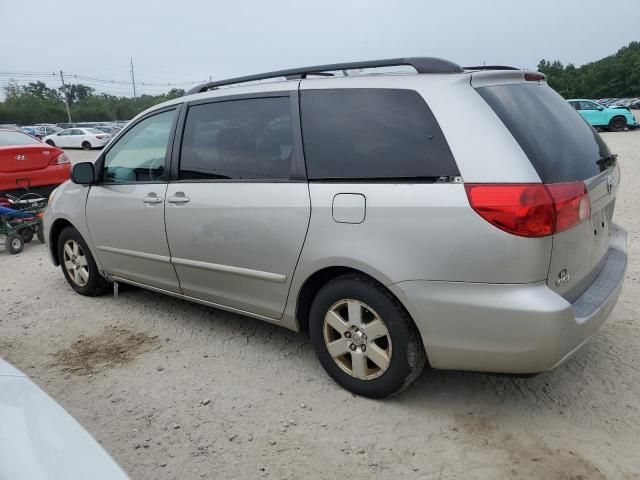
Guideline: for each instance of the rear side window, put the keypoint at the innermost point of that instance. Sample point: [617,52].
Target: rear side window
[9,137]
[372,133]
[238,139]
[561,146]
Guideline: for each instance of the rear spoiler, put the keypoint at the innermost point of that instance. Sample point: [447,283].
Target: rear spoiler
[486,77]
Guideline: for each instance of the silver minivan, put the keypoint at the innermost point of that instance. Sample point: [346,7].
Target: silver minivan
[460,217]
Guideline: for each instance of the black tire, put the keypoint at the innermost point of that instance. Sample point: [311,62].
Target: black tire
[408,356]
[86,145]
[27,234]
[96,284]
[617,124]
[40,234]
[14,243]
[50,142]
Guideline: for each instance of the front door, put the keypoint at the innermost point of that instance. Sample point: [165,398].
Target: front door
[592,113]
[125,210]
[236,216]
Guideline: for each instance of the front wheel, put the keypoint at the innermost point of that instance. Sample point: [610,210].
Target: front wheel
[78,265]
[364,338]
[86,145]
[617,124]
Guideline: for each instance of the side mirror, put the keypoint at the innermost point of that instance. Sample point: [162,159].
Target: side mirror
[82,173]
[600,108]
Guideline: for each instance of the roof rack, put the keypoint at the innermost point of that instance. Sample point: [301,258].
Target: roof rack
[421,65]
[491,67]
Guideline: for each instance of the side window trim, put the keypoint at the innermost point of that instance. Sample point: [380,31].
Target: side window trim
[99,165]
[298,173]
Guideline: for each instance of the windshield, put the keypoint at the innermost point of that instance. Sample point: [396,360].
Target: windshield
[16,138]
[561,146]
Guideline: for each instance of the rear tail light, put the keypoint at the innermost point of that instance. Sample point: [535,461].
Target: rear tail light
[531,209]
[59,160]
[102,137]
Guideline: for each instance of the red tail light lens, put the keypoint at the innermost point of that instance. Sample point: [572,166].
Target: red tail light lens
[529,209]
[59,160]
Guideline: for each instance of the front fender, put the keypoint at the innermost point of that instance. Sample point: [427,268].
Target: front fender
[69,205]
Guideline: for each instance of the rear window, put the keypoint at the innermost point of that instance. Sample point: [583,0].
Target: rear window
[16,138]
[372,133]
[561,146]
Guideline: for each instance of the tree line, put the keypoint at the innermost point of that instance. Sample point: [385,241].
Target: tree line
[617,75]
[37,103]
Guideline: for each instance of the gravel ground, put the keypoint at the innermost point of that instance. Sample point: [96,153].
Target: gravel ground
[174,390]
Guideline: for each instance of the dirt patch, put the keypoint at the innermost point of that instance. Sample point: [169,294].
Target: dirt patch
[113,347]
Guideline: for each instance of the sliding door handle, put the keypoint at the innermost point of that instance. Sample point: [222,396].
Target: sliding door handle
[178,198]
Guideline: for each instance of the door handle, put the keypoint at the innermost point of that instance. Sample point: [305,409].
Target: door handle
[152,198]
[178,198]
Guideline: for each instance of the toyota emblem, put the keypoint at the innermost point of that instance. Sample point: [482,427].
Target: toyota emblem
[21,157]
[610,184]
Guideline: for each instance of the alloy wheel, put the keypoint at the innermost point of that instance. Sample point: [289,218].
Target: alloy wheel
[75,263]
[357,339]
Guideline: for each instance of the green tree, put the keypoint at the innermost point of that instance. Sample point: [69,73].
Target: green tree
[617,75]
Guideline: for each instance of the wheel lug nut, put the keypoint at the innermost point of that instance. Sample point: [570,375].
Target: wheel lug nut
[352,346]
[347,334]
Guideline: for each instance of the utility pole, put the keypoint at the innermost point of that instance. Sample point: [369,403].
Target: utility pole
[133,79]
[64,94]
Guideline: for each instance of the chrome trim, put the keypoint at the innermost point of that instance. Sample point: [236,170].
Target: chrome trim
[133,253]
[244,272]
[194,299]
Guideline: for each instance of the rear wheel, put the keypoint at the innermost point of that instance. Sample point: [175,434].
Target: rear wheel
[40,234]
[27,234]
[50,142]
[86,145]
[14,243]
[364,338]
[78,265]
[617,124]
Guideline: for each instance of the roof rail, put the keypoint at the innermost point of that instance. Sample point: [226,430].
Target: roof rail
[421,64]
[491,67]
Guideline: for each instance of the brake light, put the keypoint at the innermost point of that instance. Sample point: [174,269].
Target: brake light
[59,160]
[102,137]
[531,209]
[534,77]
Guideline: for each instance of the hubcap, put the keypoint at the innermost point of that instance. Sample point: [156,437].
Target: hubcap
[357,339]
[75,262]
[15,243]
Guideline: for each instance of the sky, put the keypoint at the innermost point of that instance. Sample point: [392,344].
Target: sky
[191,40]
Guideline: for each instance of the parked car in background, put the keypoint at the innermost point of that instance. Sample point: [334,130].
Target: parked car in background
[39,440]
[613,118]
[362,209]
[86,138]
[26,162]
[29,131]
[41,131]
[106,129]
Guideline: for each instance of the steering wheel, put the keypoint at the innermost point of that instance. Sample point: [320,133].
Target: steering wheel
[156,168]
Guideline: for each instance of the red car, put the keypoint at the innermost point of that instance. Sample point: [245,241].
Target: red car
[28,163]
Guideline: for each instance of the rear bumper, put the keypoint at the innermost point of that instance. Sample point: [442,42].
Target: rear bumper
[511,328]
[50,176]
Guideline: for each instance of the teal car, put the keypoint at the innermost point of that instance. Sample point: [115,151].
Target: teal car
[614,118]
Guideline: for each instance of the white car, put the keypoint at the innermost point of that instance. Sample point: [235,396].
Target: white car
[39,440]
[86,138]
